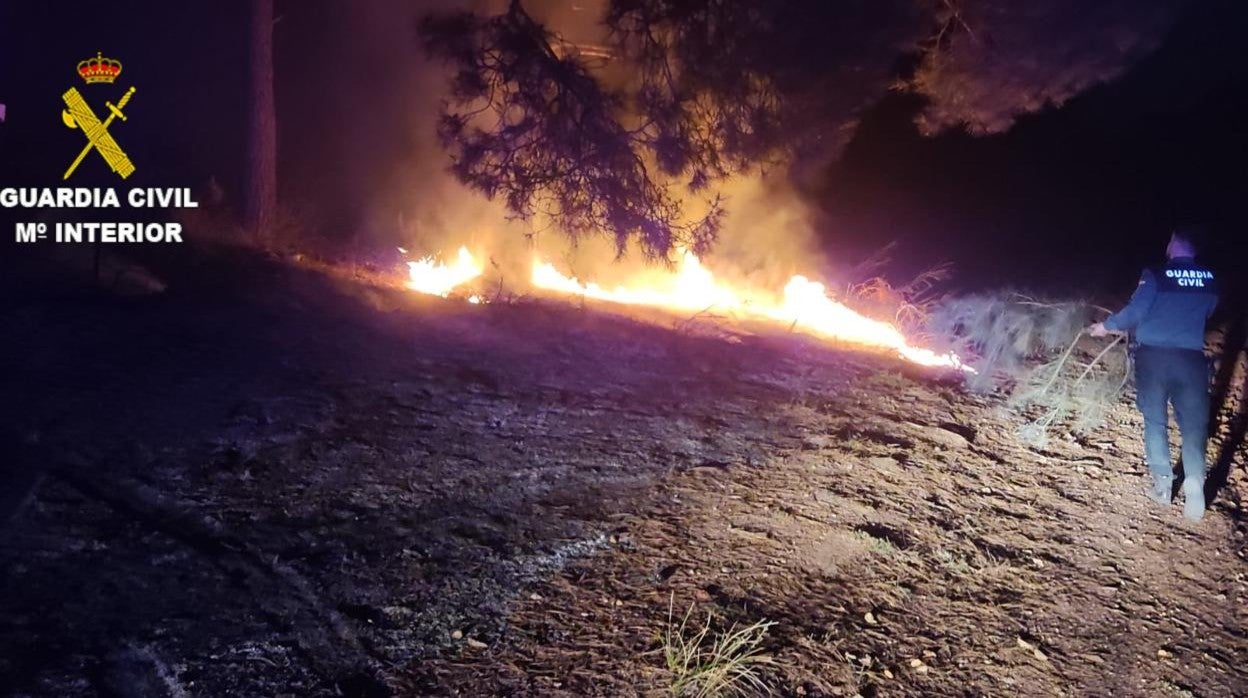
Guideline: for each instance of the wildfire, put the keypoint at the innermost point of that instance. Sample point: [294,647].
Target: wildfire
[427,275]
[691,288]
[803,305]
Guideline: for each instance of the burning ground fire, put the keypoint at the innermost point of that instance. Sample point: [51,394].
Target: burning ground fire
[427,275]
[804,304]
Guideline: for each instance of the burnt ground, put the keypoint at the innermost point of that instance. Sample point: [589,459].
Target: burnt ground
[265,483]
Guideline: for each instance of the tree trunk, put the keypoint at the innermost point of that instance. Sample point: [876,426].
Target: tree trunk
[261,187]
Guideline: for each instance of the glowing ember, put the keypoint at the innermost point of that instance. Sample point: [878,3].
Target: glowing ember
[438,279]
[804,305]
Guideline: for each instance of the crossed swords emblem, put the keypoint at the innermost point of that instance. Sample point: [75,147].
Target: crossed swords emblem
[79,115]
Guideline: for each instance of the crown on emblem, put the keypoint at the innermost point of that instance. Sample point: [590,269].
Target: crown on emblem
[99,69]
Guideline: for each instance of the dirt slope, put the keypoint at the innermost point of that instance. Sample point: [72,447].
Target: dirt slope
[268,486]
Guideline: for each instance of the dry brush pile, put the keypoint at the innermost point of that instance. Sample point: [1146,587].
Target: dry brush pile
[1037,353]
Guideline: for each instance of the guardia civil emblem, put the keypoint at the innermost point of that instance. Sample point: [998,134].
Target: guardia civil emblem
[78,114]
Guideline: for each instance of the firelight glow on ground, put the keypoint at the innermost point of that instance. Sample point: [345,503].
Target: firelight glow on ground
[803,304]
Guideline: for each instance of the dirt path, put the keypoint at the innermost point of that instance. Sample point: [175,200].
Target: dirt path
[290,491]
[903,559]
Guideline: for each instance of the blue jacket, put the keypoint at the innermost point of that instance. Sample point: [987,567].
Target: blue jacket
[1170,306]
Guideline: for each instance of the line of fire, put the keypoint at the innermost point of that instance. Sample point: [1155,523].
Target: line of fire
[573,348]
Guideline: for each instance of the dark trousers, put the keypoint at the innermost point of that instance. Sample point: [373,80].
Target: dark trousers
[1178,377]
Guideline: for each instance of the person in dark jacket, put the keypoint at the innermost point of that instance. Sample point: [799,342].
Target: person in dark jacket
[1166,319]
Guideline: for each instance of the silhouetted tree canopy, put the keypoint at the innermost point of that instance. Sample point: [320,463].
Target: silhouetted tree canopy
[693,91]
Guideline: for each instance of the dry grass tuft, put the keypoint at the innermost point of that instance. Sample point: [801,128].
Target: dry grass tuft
[704,664]
[907,305]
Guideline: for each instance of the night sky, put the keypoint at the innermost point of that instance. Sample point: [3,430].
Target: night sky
[1071,199]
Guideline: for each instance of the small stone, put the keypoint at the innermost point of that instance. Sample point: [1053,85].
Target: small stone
[916,663]
[940,436]
[870,618]
[1164,654]
[475,644]
[1035,651]
[457,634]
[888,674]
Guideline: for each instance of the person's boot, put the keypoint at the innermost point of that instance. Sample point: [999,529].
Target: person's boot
[1161,491]
[1193,499]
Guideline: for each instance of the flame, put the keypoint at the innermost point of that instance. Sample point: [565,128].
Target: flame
[426,275]
[691,288]
[803,305]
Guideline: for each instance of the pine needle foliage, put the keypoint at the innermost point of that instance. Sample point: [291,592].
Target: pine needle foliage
[1037,354]
[635,137]
[998,333]
[1071,391]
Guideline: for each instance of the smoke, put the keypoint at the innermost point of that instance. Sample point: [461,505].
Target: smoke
[768,235]
[368,165]
[379,176]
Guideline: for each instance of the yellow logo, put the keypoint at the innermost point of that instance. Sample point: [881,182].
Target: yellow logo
[79,115]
